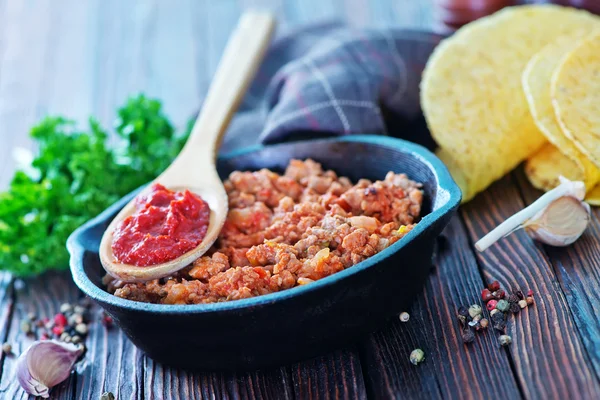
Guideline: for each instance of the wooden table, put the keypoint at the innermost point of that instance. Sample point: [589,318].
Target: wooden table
[82,58]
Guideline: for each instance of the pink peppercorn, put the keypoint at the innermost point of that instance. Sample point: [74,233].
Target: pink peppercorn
[530,293]
[60,320]
[494,286]
[44,337]
[499,294]
[491,304]
[58,330]
[486,295]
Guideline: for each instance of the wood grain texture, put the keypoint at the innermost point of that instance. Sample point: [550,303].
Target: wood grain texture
[82,58]
[577,269]
[43,297]
[452,369]
[547,352]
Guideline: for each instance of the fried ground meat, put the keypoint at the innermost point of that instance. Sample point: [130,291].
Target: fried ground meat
[288,230]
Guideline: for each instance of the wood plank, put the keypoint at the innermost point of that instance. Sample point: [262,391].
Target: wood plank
[548,355]
[333,376]
[451,367]
[42,296]
[162,382]
[577,268]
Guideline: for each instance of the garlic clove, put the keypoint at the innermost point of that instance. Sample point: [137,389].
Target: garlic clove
[46,364]
[535,211]
[561,223]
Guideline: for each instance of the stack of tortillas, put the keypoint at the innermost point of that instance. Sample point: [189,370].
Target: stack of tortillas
[521,84]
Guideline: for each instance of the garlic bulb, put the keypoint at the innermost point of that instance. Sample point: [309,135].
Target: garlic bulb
[561,223]
[557,218]
[46,364]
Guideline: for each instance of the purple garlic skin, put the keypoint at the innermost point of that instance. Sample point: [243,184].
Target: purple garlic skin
[46,364]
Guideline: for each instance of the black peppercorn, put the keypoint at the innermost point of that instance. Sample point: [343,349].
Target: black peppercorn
[519,294]
[467,335]
[499,321]
[514,308]
[513,298]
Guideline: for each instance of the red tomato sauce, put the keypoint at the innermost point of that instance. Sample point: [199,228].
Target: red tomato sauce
[165,225]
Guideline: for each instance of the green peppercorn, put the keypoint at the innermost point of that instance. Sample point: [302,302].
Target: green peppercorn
[474,310]
[522,303]
[505,340]
[417,356]
[503,305]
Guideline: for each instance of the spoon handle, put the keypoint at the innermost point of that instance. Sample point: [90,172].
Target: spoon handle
[241,58]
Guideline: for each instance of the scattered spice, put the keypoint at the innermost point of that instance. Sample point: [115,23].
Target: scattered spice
[499,294]
[474,310]
[417,356]
[529,300]
[486,295]
[503,305]
[530,293]
[519,294]
[6,348]
[522,303]
[484,323]
[468,335]
[404,317]
[494,311]
[494,286]
[514,308]
[491,305]
[499,321]
[505,340]
[107,396]
[463,314]
[107,320]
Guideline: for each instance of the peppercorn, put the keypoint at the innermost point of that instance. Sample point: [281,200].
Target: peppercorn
[530,293]
[522,303]
[491,305]
[417,356]
[514,308]
[83,329]
[60,319]
[529,300]
[499,294]
[519,294]
[6,348]
[513,298]
[503,305]
[474,310]
[486,295]
[494,286]
[463,314]
[107,320]
[107,396]
[499,321]
[58,330]
[505,340]
[404,317]
[467,335]
[26,326]
[31,316]
[66,308]
[494,311]
[484,323]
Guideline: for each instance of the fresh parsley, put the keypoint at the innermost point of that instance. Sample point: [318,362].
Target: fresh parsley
[75,176]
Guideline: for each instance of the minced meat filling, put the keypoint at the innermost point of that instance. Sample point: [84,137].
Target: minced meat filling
[288,230]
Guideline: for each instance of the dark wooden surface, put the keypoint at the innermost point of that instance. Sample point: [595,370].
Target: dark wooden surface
[82,58]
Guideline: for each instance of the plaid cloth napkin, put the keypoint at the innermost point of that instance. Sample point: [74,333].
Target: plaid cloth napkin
[330,80]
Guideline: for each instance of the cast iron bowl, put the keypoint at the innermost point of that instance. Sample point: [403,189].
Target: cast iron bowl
[303,321]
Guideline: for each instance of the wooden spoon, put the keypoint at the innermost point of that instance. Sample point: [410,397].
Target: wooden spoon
[194,168]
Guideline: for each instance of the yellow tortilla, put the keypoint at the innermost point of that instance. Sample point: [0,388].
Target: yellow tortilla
[576,96]
[471,91]
[561,156]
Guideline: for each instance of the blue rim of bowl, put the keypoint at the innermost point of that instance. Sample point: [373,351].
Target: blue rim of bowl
[447,188]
